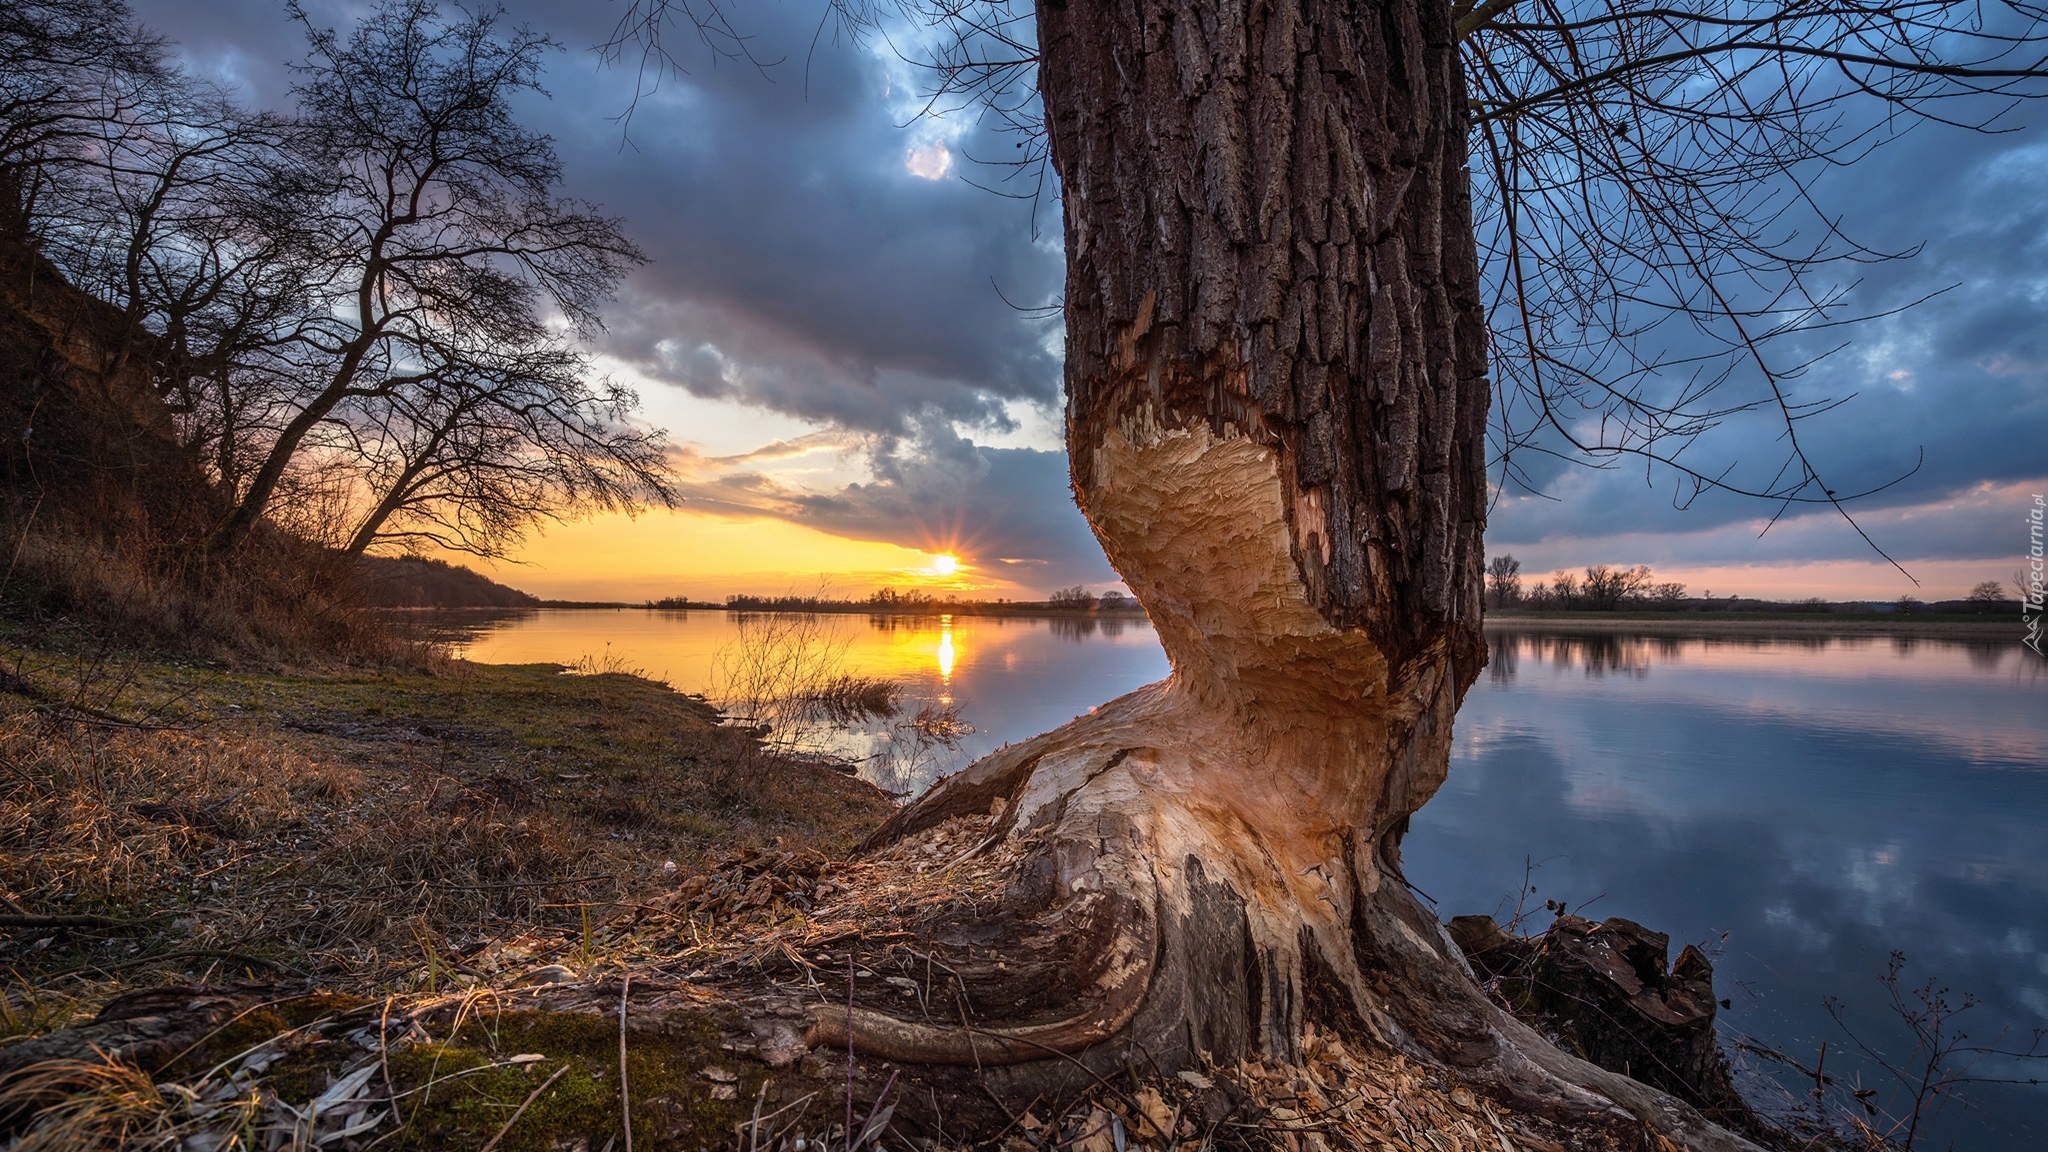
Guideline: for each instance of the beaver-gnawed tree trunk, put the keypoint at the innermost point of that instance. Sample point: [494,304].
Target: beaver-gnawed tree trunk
[1277,399]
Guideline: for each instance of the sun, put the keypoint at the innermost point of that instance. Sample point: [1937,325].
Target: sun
[945,565]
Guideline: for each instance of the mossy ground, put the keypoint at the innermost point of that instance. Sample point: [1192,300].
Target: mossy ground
[673,1102]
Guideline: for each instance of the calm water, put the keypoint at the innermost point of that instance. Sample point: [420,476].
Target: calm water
[1800,806]
[1009,677]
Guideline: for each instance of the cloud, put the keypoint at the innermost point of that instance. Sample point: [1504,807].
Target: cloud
[816,258]
[933,492]
[1949,393]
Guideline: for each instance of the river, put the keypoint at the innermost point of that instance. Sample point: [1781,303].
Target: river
[1801,806]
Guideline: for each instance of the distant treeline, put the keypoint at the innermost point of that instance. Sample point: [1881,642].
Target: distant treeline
[1075,600]
[1608,588]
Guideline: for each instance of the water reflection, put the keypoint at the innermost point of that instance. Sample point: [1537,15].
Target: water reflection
[1802,805]
[1600,653]
[1079,628]
[1011,677]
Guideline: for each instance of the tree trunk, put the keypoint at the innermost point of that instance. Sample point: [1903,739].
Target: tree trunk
[1277,396]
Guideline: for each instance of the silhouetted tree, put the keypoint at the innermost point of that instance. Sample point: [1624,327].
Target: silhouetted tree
[1667,596]
[1076,598]
[476,454]
[67,69]
[358,308]
[440,233]
[1503,581]
[1564,590]
[1607,589]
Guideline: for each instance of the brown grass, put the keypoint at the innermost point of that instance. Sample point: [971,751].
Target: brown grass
[368,828]
[279,600]
[88,1105]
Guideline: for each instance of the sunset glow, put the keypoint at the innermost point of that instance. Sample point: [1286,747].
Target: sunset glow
[945,650]
[945,565]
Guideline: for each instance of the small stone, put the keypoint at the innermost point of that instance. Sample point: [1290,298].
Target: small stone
[1464,1099]
[549,974]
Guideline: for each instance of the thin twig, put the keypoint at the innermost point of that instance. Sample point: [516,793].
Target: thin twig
[524,1105]
[625,1098]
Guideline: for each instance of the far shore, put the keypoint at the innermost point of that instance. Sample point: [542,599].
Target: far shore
[1945,626]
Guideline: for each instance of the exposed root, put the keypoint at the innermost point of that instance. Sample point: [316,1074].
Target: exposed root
[1127,960]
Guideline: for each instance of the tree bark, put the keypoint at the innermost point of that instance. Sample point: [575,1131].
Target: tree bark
[1277,395]
[1276,407]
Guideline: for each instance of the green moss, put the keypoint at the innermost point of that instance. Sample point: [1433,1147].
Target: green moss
[470,1100]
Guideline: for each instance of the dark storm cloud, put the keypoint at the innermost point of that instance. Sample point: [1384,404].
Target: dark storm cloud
[799,267]
[1955,385]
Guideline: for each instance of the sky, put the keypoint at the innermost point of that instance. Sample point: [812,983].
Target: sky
[836,329]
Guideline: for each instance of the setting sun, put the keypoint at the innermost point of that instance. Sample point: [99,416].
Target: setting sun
[945,565]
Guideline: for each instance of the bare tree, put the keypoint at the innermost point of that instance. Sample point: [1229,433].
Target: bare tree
[1987,592]
[1564,590]
[1277,376]
[184,214]
[1503,581]
[1607,589]
[472,458]
[67,69]
[440,226]
[1076,597]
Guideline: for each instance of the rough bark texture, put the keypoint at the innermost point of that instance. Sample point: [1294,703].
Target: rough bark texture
[1276,413]
[1268,228]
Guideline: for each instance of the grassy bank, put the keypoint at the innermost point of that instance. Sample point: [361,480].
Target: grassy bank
[363,829]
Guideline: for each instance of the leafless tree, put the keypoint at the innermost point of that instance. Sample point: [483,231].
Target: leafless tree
[372,304]
[1667,596]
[1607,588]
[1987,592]
[1302,239]
[440,226]
[473,457]
[1076,597]
[67,67]
[184,215]
[1564,590]
[1503,581]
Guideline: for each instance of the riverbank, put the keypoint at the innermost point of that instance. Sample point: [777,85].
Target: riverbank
[360,828]
[283,901]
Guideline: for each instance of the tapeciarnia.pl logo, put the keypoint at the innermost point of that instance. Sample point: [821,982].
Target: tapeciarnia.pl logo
[2032,596]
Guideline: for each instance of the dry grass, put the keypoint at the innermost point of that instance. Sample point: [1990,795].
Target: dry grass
[259,851]
[366,828]
[87,1105]
[278,600]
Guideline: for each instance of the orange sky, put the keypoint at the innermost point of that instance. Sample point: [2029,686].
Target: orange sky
[704,557]
[682,553]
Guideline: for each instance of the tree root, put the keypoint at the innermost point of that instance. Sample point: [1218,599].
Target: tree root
[1128,959]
